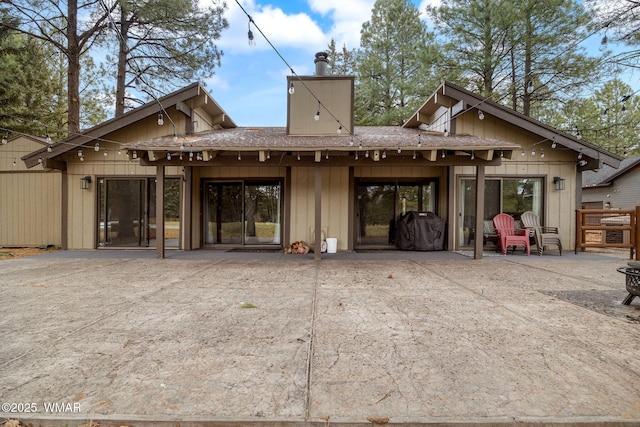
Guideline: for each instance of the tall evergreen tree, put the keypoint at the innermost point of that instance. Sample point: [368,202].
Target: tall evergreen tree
[609,118]
[395,64]
[526,53]
[162,44]
[341,61]
[26,87]
[478,42]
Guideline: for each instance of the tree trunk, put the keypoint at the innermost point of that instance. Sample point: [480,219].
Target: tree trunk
[528,78]
[121,83]
[73,73]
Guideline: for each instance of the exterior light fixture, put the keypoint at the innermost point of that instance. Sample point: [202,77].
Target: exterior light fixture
[480,115]
[96,147]
[5,139]
[558,183]
[292,89]
[530,87]
[339,129]
[554,144]
[160,119]
[85,182]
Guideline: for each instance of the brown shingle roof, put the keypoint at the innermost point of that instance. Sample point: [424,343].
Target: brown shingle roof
[274,138]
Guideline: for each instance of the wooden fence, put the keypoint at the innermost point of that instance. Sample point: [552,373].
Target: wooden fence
[605,228]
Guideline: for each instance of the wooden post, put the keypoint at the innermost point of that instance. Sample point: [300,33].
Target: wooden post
[578,231]
[479,225]
[318,215]
[637,232]
[187,220]
[160,211]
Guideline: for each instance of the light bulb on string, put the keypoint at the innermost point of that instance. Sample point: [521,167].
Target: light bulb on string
[5,139]
[252,42]
[473,155]
[317,116]
[106,152]
[533,151]
[49,149]
[384,154]
[399,150]
[160,119]
[356,155]
[80,154]
[292,88]
[15,163]
[480,115]
[444,154]
[530,87]
[414,154]
[168,156]
[542,153]
[96,147]
[554,144]
[366,154]
[175,137]
[135,154]
[339,130]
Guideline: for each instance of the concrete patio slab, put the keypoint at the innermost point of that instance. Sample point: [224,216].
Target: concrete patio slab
[229,339]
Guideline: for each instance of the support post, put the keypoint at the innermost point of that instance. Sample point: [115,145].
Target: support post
[64,200]
[160,211]
[479,225]
[187,197]
[637,232]
[318,214]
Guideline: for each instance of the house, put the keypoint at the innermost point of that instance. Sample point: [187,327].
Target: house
[610,188]
[30,199]
[179,173]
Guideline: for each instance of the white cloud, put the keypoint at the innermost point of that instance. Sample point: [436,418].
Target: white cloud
[283,30]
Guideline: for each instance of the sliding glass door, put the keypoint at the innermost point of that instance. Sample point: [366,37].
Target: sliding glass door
[379,205]
[127,214]
[242,213]
[509,195]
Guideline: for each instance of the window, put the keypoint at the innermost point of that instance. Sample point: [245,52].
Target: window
[509,195]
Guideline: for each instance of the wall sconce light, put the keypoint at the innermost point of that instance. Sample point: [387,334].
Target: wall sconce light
[85,182]
[558,183]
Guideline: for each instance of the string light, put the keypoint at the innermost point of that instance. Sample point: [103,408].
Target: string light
[554,144]
[384,154]
[414,154]
[339,131]
[480,115]
[444,154]
[160,119]
[366,154]
[5,139]
[252,42]
[96,147]
[135,154]
[327,155]
[49,149]
[356,155]
[473,155]
[542,153]
[168,156]
[317,116]
[292,88]
[399,150]
[106,152]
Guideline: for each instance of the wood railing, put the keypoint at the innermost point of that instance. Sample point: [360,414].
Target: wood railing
[605,228]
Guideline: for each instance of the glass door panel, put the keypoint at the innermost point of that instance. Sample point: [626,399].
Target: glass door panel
[376,214]
[262,214]
[171,212]
[223,213]
[123,223]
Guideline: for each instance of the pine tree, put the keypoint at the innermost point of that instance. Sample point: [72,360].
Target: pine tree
[161,45]
[395,64]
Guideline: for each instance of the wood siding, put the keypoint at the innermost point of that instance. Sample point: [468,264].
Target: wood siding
[623,193]
[30,201]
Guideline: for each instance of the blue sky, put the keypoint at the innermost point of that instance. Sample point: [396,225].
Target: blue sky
[250,85]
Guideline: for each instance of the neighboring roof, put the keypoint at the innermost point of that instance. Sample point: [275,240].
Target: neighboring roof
[606,175]
[448,91]
[194,92]
[371,137]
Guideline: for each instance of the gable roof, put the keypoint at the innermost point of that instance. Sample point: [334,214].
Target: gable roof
[606,175]
[194,92]
[448,95]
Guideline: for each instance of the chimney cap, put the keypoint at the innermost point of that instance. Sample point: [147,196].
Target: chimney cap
[321,56]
